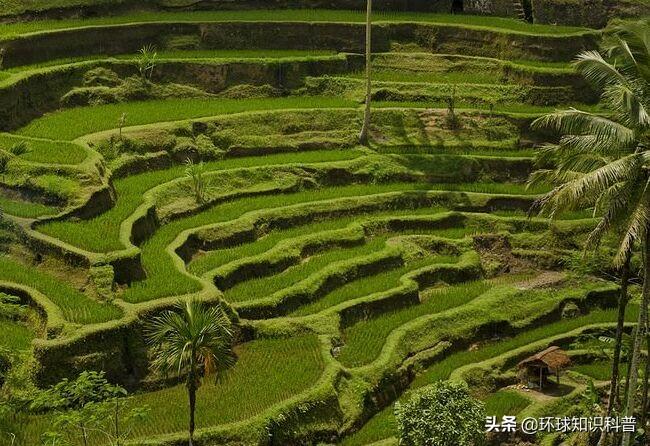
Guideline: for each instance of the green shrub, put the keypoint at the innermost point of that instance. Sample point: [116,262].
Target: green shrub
[442,414]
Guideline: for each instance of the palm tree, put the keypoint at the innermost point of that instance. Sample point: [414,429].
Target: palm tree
[623,300]
[365,129]
[603,162]
[191,340]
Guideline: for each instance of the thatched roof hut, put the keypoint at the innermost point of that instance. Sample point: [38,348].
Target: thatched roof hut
[543,364]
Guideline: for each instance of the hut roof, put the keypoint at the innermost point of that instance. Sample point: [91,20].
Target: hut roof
[553,357]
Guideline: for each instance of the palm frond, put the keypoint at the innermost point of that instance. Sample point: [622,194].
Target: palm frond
[191,334]
[595,69]
[626,101]
[577,122]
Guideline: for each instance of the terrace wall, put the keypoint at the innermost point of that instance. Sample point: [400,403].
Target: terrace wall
[591,13]
[344,37]
[41,91]
[451,39]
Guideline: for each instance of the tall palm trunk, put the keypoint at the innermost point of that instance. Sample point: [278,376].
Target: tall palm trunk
[620,326]
[639,338]
[191,389]
[365,129]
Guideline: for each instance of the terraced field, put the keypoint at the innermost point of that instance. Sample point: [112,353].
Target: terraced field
[353,274]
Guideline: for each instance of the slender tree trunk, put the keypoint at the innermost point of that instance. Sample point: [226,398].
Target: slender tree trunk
[117,421]
[623,398]
[84,435]
[191,388]
[620,326]
[639,338]
[646,385]
[365,129]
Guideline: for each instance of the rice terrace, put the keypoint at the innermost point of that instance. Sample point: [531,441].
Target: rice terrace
[324,222]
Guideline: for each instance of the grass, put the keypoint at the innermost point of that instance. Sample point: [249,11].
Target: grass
[517,108]
[541,63]
[164,279]
[479,151]
[490,188]
[16,336]
[265,286]
[505,402]
[76,307]
[75,122]
[598,370]
[267,372]
[217,55]
[304,15]
[452,77]
[366,286]
[85,234]
[49,152]
[25,209]
[382,425]
[567,215]
[69,124]
[365,339]
[214,259]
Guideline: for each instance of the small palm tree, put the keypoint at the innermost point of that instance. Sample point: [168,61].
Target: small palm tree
[603,163]
[192,340]
[365,129]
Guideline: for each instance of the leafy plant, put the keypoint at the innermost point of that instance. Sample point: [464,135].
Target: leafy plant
[20,148]
[194,340]
[589,403]
[110,148]
[602,164]
[88,405]
[604,344]
[441,414]
[198,182]
[147,60]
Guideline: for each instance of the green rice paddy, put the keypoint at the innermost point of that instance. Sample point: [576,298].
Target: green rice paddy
[382,425]
[76,307]
[73,123]
[299,15]
[309,350]
[26,209]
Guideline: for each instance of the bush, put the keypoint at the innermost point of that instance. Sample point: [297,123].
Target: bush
[440,415]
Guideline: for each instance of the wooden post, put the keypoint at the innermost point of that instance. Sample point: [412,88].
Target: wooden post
[541,378]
